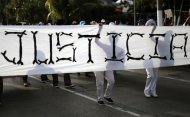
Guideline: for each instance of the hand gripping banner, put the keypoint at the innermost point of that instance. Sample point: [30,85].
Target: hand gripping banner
[30,50]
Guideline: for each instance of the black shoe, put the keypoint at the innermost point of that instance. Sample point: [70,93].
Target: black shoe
[109,100]
[101,102]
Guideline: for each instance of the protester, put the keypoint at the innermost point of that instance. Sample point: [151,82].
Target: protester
[103,21]
[152,73]
[93,22]
[74,22]
[141,22]
[82,22]
[109,76]
[67,80]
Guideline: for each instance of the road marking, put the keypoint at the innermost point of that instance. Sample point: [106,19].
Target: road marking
[182,80]
[94,100]
[166,77]
[20,86]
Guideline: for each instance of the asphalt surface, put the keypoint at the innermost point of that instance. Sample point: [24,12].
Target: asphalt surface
[43,100]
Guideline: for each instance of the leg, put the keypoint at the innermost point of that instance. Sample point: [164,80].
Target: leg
[154,83]
[25,81]
[109,76]
[44,78]
[1,88]
[100,85]
[87,74]
[55,79]
[148,85]
[67,79]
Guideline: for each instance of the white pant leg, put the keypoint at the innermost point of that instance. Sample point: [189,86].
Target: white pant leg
[154,80]
[109,76]
[100,85]
[148,85]
[152,76]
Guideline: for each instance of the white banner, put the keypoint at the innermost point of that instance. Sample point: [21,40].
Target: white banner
[67,49]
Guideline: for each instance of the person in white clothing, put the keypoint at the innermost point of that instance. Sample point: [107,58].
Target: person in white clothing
[152,73]
[100,75]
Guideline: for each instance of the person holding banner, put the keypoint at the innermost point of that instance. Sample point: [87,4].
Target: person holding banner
[152,73]
[100,75]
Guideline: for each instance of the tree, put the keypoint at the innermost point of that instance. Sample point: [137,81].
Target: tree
[30,11]
[70,9]
[145,6]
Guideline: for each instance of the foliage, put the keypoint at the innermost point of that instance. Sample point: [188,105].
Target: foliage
[15,11]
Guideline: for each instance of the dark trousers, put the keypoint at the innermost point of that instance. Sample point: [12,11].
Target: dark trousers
[25,79]
[1,88]
[67,79]
[55,78]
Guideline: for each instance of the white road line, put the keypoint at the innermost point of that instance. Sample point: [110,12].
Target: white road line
[166,77]
[94,100]
[182,80]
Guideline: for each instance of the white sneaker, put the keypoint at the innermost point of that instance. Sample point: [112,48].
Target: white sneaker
[147,94]
[153,94]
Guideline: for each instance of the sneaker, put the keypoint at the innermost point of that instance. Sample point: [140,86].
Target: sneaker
[154,95]
[146,94]
[101,102]
[26,84]
[109,100]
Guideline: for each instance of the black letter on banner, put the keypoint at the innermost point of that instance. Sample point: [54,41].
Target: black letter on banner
[181,47]
[60,48]
[37,61]
[89,44]
[35,47]
[127,45]
[62,33]
[74,51]
[19,34]
[156,52]
[51,53]
[114,58]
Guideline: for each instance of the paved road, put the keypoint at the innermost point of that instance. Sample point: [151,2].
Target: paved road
[43,100]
